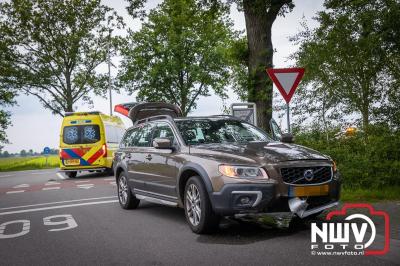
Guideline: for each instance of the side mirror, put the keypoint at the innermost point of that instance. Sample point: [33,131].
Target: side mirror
[162,143]
[287,138]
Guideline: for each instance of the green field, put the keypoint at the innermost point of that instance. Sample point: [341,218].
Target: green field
[28,163]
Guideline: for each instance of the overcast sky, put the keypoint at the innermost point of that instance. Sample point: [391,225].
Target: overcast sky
[35,127]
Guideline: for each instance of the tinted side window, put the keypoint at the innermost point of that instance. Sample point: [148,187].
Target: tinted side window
[143,136]
[163,130]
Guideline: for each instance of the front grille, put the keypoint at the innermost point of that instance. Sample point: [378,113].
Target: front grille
[302,176]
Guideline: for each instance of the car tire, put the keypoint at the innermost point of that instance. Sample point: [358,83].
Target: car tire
[125,197]
[198,210]
[71,174]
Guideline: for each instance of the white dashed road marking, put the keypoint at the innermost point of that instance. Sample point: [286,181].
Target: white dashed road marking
[52,183]
[82,181]
[58,207]
[21,186]
[113,183]
[50,188]
[15,191]
[109,179]
[85,186]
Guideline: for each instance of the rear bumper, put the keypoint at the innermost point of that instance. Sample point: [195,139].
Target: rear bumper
[265,198]
[74,169]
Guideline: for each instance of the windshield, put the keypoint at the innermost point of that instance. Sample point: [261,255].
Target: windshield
[199,131]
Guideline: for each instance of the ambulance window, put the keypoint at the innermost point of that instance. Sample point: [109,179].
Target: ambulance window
[71,135]
[114,134]
[90,134]
[81,134]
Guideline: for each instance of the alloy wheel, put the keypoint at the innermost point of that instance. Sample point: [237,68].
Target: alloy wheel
[193,204]
[122,190]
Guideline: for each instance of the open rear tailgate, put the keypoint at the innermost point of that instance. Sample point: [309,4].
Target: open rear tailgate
[138,111]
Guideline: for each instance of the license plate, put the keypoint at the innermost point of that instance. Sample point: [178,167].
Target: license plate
[72,162]
[309,191]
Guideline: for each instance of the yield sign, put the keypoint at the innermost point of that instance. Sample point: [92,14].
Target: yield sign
[286,80]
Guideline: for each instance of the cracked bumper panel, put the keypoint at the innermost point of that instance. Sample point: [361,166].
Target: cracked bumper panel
[242,198]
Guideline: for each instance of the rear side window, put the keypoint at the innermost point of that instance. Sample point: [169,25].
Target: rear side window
[137,137]
[81,134]
[143,136]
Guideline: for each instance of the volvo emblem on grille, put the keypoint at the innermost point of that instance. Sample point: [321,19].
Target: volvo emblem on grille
[308,174]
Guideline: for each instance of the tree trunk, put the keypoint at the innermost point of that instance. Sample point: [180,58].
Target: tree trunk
[69,98]
[258,27]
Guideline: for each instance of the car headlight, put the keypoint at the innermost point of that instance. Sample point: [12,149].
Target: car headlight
[238,171]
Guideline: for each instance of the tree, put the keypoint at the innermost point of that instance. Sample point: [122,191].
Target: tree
[23,153]
[178,55]
[52,49]
[347,58]
[6,99]
[260,16]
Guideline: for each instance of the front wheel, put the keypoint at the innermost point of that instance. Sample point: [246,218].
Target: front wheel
[199,213]
[126,199]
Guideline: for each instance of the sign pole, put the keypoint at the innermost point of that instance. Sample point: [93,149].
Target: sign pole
[288,117]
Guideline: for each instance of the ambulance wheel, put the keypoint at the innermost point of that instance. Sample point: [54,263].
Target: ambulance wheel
[71,174]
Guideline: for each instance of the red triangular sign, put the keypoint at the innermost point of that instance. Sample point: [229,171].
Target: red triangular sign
[286,80]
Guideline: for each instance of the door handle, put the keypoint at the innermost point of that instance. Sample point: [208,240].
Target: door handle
[149,157]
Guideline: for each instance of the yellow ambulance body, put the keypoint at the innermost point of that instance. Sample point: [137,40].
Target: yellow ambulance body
[88,141]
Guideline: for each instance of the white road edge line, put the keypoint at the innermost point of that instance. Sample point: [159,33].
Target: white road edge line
[56,202]
[61,176]
[58,207]
[6,175]
[15,191]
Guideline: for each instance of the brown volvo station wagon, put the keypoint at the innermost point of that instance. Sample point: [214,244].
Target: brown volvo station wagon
[217,166]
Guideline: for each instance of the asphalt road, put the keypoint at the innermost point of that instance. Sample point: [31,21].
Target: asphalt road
[48,219]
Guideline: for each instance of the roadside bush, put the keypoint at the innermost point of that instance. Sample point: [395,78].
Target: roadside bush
[365,161]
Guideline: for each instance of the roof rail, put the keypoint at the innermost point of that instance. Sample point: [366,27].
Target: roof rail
[152,118]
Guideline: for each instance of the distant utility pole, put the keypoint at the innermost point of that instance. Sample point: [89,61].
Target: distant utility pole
[109,70]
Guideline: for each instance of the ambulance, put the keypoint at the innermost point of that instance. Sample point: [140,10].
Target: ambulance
[88,141]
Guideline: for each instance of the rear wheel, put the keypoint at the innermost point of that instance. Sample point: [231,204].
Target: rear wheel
[126,199]
[72,174]
[199,213]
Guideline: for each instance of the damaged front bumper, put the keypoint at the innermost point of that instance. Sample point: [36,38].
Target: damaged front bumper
[299,207]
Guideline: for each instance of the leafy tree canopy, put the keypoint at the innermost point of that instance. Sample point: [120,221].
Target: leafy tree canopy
[179,54]
[352,62]
[51,49]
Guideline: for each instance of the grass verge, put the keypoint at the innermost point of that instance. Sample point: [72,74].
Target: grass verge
[28,163]
[371,194]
